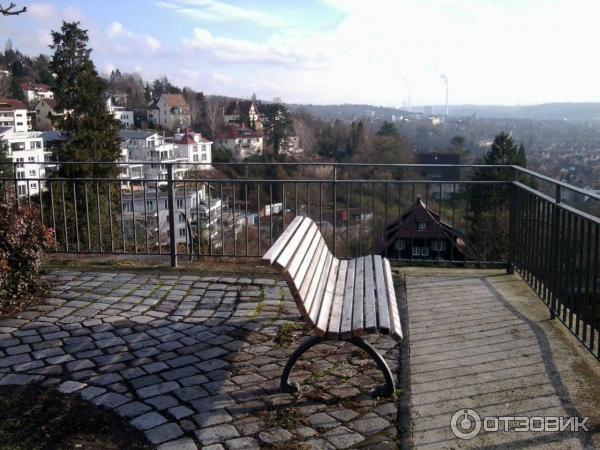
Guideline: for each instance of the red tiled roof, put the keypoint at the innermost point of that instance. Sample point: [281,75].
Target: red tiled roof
[175,100]
[10,103]
[50,101]
[188,137]
[37,87]
[238,133]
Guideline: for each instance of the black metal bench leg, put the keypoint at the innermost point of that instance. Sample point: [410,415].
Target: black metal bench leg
[388,388]
[285,386]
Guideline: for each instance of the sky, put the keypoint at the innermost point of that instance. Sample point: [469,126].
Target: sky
[378,52]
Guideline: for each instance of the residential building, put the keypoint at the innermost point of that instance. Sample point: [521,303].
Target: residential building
[441,167]
[194,213]
[150,147]
[420,234]
[34,92]
[13,113]
[45,112]
[197,148]
[242,142]
[170,112]
[238,110]
[120,113]
[26,148]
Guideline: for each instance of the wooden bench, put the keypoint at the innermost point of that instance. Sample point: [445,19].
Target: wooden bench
[340,299]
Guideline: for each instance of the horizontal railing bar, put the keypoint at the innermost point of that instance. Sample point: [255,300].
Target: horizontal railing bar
[564,206]
[256,180]
[558,183]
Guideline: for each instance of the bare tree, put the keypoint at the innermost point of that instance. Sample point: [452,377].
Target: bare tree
[5,87]
[11,11]
[214,114]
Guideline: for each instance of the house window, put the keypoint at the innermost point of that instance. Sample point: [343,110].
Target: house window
[180,203]
[182,232]
[400,244]
[149,205]
[416,251]
[21,189]
[424,251]
[203,157]
[181,218]
[438,246]
[421,226]
[32,173]
[195,158]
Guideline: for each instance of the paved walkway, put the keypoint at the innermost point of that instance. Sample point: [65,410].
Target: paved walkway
[195,361]
[485,343]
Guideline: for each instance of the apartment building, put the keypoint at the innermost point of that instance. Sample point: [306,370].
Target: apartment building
[13,114]
[194,213]
[197,148]
[154,149]
[26,148]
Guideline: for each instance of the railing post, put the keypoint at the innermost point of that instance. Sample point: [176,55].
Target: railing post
[15,165]
[334,206]
[512,217]
[555,250]
[171,206]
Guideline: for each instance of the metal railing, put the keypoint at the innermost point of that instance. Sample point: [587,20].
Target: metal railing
[546,230]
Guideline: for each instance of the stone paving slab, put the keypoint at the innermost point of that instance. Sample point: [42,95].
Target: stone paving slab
[195,361]
[485,343]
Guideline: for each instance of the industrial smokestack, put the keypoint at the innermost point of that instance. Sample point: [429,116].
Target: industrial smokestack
[445,78]
[405,81]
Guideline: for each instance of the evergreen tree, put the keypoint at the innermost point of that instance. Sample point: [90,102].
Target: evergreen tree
[90,131]
[487,213]
[279,125]
[388,129]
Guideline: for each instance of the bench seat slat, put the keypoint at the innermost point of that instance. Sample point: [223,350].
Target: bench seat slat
[287,253]
[383,312]
[370,306]
[395,327]
[333,329]
[282,241]
[322,304]
[359,299]
[346,324]
[304,285]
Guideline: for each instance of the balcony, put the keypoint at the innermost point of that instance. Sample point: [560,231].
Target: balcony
[214,333]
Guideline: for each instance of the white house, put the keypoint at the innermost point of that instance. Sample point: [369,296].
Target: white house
[197,148]
[13,114]
[149,147]
[36,91]
[235,110]
[120,113]
[170,112]
[242,142]
[27,150]
[193,212]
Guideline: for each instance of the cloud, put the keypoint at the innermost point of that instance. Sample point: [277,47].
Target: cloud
[275,51]
[218,11]
[221,78]
[41,11]
[114,30]
[153,44]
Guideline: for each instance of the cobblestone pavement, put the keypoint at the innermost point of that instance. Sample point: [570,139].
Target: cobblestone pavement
[195,362]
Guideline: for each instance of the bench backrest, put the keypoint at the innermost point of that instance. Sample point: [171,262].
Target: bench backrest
[302,255]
